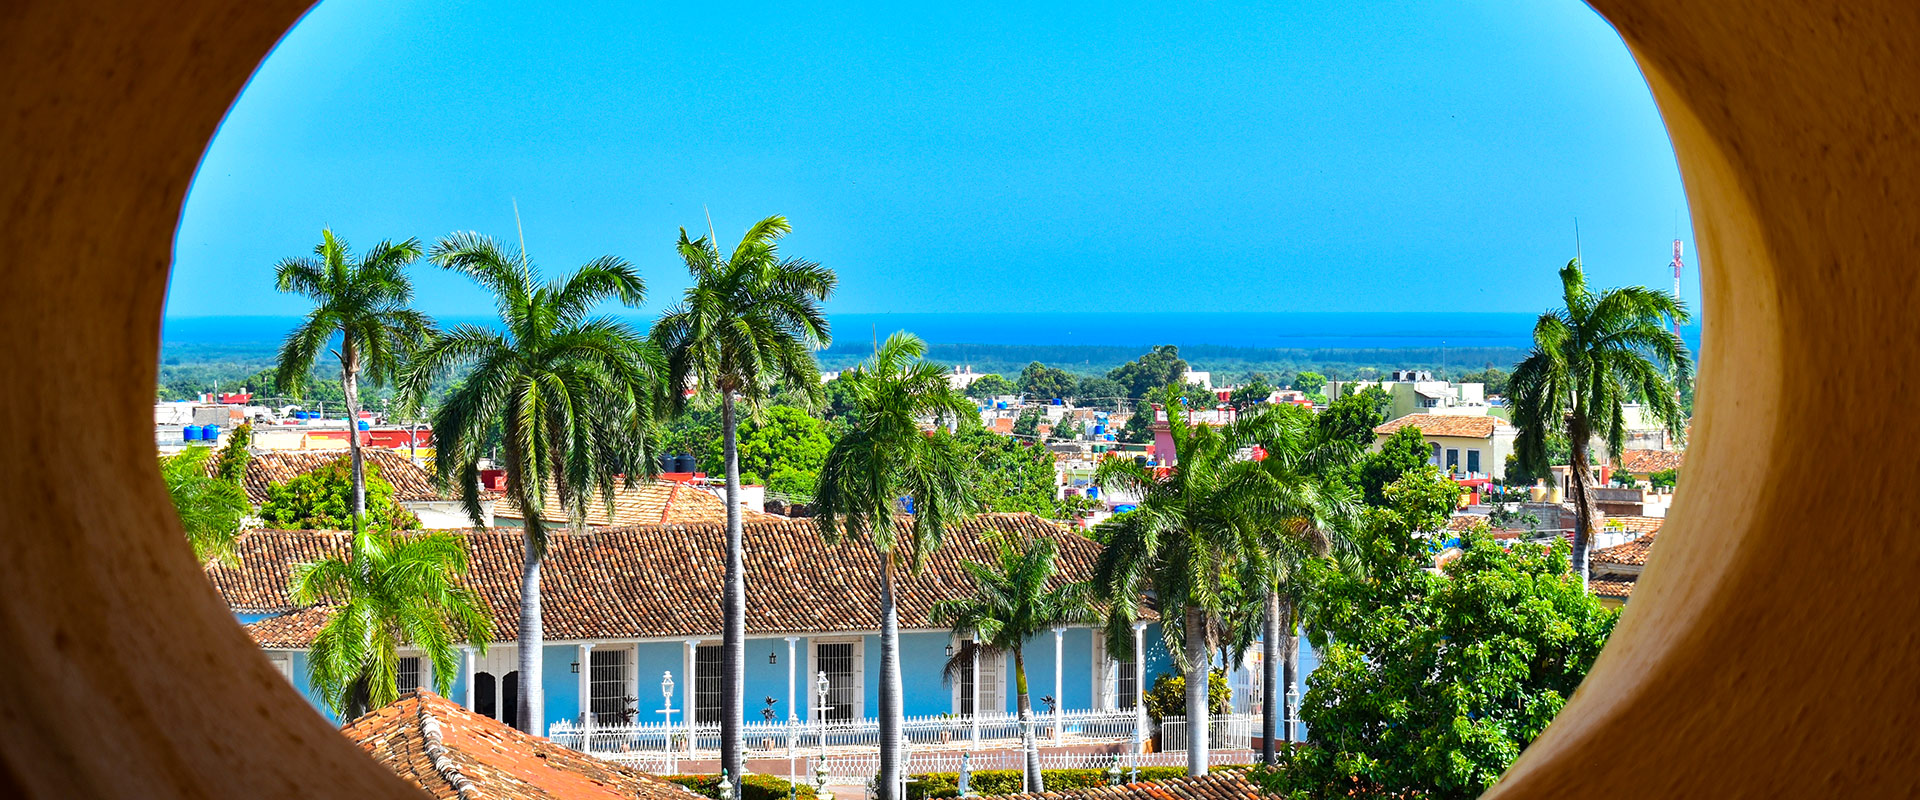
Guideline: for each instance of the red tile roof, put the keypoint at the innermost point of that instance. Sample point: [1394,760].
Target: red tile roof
[1470,427]
[1618,589]
[652,503]
[662,580]
[293,631]
[1226,784]
[1641,462]
[410,481]
[1632,554]
[453,754]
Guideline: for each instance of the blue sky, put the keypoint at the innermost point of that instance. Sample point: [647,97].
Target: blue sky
[1012,157]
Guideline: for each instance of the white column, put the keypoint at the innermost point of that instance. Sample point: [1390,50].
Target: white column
[974,718]
[1139,693]
[792,710]
[466,671]
[1059,697]
[687,695]
[633,668]
[586,689]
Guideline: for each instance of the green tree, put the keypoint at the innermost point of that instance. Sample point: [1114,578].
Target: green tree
[837,399]
[389,590]
[1495,378]
[322,500]
[1403,452]
[1664,479]
[1197,396]
[750,320]
[1168,695]
[1041,382]
[1139,426]
[1147,374]
[1191,544]
[991,385]
[210,506]
[1252,393]
[364,301]
[882,457]
[1014,601]
[1008,474]
[783,438]
[1429,685]
[1099,393]
[230,464]
[1353,417]
[1308,382]
[572,399]
[1604,350]
[1027,425]
[1066,430]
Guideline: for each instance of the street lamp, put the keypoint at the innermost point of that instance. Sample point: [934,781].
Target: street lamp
[666,697]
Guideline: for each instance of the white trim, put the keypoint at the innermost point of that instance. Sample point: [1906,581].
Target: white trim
[859,670]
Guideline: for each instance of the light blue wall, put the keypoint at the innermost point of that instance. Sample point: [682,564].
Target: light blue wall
[651,659]
[561,683]
[249,619]
[766,680]
[923,684]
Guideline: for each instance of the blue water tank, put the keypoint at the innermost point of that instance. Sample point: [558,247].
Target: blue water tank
[1124,509]
[190,433]
[684,463]
[365,425]
[1056,401]
[1099,429]
[210,433]
[668,462]
[1002,405]
[906,504]
[1093,492]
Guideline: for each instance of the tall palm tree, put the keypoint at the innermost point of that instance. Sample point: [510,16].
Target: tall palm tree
[749,321]
[573,398]
[389,590]
[1194,534]
[884,456]
[1305,511]
[364,301]
[1603,350]
[1014,601]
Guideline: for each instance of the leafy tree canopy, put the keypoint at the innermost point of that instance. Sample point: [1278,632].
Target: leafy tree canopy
[1100,393]
[1403,452]
[322,500]
[1309,382]
[1009,474]
[1430,684]
[1159,367]
[1139,427]
[991,385]
[1168,697]
[1353,417]
[1041,382]
[1495,378]
[1252,393]
[1028,423]
[784,438]
[210,506]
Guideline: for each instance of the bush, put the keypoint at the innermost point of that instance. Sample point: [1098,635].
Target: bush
[1007,781]
[1664,479]
[1168,697]
[323,500]
[753,787]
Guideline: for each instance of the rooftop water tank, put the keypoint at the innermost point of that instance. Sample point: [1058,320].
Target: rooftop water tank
[210,433]
[190,433]
[906,504]
[1142,461]
[364,425]
[1122,509]
[685,463]
[668,462]
[1100,429]
[1094,492]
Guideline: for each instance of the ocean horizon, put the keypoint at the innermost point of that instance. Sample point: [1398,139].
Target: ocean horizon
[1274,329]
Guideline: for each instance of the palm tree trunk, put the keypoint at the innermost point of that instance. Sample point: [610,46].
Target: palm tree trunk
[1580,479]
[1028,744]
[350,386]
[1290,668]
[892,709]
[1198,714]
[1270,680]
[532,641]
[359,699]
[734,607]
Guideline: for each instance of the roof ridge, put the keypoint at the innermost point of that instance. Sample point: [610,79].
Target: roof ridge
[437,751]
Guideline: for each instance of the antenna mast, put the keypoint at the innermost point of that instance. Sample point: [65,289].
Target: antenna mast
[1677,263]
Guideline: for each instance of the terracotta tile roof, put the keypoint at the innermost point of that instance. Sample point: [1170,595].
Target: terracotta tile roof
[665,580]
[1225,784]
[1641,462]
[1634,522]
[652,503]
[292,631]
[1470,427]
[1631,554]
[453,754]
[410,481]
[1620,589]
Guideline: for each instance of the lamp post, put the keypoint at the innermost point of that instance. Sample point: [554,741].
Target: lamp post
[793,714]
[820,731]
[666,710]
[1139,695]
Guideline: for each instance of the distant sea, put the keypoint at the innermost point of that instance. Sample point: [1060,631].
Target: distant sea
[1302,330]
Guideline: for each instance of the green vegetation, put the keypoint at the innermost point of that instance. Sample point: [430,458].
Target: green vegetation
[210,506]
[1604,350]
[322,500]
[1009,474]
[1431,684]
[389,589]
[1309,382]
[1352,418]
[1159,367]
[1255,391]
[1168,695]
[996,782]
[991,385]
[882,457]
[1403,452]
[1664,479]
[1012,604]
[752,787]
[1041,382]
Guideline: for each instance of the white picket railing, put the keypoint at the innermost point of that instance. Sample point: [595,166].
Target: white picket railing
[1224,732]
[766,738]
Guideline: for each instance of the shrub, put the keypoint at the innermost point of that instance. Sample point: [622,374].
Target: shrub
[323,500]
[931,785]
[1168,697]
[752,787]
[1664,479]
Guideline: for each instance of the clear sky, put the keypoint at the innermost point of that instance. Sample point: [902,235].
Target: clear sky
[1028,157]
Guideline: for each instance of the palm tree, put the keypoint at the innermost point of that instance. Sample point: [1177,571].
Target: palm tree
[389,590]
[1015,601]
[572,397]
[749,321]
[1604,350]
[882,459]
[363,301]
[1304,511]
[210,505]
[1194,534]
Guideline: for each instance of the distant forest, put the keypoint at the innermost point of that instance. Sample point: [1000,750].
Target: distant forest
[189,369]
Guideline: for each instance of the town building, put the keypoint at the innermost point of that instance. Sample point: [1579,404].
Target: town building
[1417,392]
[1465,446]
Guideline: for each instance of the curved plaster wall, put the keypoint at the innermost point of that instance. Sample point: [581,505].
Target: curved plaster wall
[1769,650]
